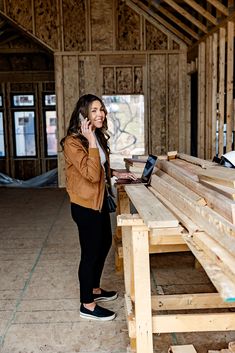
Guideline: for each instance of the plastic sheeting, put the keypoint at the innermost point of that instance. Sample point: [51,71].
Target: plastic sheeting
[46,179]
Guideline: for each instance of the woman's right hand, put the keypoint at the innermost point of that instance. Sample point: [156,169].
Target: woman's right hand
[88,133]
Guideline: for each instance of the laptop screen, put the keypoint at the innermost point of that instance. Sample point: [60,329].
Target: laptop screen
[148,169]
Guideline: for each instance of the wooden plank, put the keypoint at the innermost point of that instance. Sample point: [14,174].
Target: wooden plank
[201,11]
[186,14]
[181,188]
[188,348]
[224,190]
[214,92]
[173,18]
[206,218]
[221,90]
[208,122]
[142,291]
[219,6]
[201,99]
[127,260]
[229,101]
[217,253]
[224,285]
[214,200]
[150,209]
[189,302]
[126,220]
[190,323]
[158,21]
[187,222]
[194,160]
[220,175]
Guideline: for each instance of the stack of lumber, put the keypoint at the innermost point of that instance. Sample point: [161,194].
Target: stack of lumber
[201,195]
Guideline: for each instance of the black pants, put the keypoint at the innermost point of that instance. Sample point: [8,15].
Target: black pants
[95,237]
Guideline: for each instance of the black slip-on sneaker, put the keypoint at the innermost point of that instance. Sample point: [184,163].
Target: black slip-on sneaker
[105,296]
[99,313]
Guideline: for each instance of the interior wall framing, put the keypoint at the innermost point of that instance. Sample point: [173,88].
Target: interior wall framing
[112,47]
[216,121]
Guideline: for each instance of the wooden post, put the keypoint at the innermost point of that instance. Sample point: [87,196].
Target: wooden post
[201,100]
[214,93]
[229,102]
[221,89]
[143,309]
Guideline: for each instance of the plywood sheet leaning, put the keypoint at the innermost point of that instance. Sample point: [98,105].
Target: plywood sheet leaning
[152,211]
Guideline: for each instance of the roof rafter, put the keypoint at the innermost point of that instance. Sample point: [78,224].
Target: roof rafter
[178,22]
[201,11]
[148,14]
[223,9]
[187,15]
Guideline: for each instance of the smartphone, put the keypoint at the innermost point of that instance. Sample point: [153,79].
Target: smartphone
[81,117]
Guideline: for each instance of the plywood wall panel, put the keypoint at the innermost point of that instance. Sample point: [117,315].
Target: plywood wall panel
[157,104]
[128,36]
[102,30]
[46,17]
[173,103]
[124,83]
[138,80]
[108,80]
[90,75]
[71,85]
[21,12]
[155,39]
[75,34]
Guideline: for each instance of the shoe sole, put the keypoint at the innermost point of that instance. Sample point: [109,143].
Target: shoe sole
[97,318]
[106,299]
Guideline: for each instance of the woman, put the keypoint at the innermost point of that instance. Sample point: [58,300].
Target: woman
[88,173]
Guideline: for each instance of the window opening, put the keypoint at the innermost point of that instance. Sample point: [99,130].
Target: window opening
[49,102]
[125,126]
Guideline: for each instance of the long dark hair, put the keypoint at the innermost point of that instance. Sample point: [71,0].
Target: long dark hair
[74,129]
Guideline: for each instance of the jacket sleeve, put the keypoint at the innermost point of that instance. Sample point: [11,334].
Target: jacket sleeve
[86,163]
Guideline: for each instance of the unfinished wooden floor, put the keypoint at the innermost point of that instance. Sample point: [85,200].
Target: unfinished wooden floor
[39,294]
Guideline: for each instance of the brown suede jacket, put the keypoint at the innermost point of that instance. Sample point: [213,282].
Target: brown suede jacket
[85,177]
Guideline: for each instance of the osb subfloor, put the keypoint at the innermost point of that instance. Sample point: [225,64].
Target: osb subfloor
[39,294]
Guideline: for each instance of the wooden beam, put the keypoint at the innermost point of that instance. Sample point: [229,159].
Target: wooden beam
[189,301]
[152,211]
[222,34]
[201,99]
[156,20]
[222,23]
[219,6]
[222,282]
[229,101]
[201,11]
[214,92]
[189,323]
[177,21]
[216,201]
[187,15]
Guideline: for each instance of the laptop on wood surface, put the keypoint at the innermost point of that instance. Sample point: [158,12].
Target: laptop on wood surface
[146,175]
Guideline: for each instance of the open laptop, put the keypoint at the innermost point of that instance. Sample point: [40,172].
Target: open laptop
[146,175]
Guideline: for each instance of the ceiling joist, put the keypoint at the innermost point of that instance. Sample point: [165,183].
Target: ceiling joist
[190,20]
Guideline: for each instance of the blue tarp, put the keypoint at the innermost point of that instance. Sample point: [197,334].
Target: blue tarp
[46,179]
